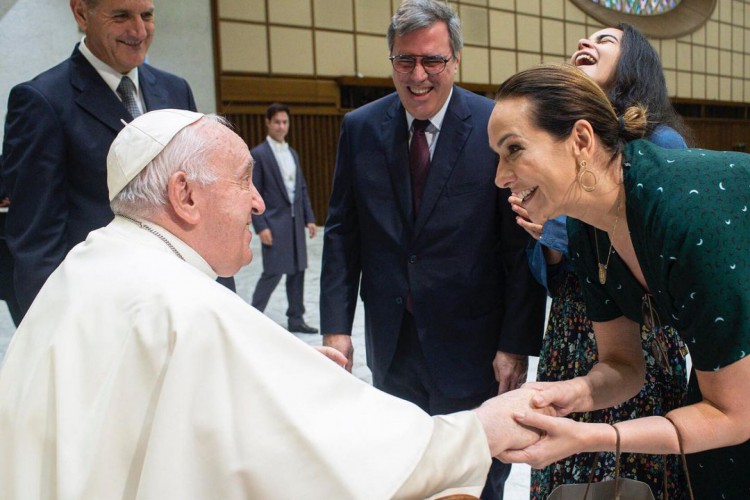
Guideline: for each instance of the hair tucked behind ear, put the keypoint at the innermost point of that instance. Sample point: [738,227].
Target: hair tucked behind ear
[561,94]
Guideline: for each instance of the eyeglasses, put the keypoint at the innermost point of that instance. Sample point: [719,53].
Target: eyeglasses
[432,65]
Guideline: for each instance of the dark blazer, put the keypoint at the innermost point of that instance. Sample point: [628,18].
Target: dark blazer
[462,257]
[58,131]
[282,257]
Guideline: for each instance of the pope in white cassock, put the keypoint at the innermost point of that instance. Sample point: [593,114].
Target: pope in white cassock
[136,376]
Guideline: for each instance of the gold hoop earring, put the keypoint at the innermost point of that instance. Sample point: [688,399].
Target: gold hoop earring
[584,171]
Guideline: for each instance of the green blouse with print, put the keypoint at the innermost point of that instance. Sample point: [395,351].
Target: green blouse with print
[689,219]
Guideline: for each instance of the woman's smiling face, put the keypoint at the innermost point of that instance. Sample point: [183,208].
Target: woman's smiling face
[597,56]
[532,163]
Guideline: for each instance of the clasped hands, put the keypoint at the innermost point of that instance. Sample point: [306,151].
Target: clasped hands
[523,426]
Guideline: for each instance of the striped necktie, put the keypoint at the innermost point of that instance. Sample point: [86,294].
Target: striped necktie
[126,91]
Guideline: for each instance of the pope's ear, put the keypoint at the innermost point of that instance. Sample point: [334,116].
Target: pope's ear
[182,197]
[582,139]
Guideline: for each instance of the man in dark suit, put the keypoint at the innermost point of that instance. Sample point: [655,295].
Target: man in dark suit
[451,309]
[278,178]
[7,290]
[59,128]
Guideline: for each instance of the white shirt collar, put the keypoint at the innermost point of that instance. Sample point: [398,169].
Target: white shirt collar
[110,76]
[143,235]
[276,145]
[437,120]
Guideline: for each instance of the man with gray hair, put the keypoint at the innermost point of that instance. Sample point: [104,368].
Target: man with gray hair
[136,375]
[415,220]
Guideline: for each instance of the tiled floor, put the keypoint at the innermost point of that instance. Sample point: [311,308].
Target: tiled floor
[517,485]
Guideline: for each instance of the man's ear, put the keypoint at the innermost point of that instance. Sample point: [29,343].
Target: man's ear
[80,13]
[182,197]
[582,139]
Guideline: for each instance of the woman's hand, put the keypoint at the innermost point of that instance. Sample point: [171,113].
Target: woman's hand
[522,219]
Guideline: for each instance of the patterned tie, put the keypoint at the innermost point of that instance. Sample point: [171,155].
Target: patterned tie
[126,91]
[419,161]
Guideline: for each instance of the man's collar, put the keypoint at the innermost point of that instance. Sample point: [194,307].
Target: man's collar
[110,76]
[437,120]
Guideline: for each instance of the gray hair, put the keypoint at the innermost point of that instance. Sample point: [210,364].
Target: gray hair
[416,14]
[188,151]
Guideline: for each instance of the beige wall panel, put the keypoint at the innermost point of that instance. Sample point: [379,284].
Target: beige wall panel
[725,10]
[528,7]
[334,54]
[737,89]
[529,33]
[684,84]
[573,13]
[738,38]
[243,47]
[668,53]
[502,30]
[503,4]
[373,16]
[747,67]
[715,12]
[712,34]
[291,51]
[483,3]
[553,8]
[699,86]
[295,12]
[684,57]
[725,63]
[747,90]
[712,87]
[573,33]
[503,64]
[747,14]
[553,37]
[243,10]
[737,60]
[474,23]
[725,88]
[725,37]
[699,59]
[475,65]
[334,14]
[747,40]
[670,76]
[372,56]
[712,61]
[738,12]
[699,36]
[526,61]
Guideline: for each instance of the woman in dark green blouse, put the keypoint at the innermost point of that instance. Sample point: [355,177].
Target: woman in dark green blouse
[657,236]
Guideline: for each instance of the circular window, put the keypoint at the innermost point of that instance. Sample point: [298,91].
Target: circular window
[655,18]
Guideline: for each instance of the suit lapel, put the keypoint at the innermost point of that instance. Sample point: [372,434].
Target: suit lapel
[275,170]
[95,97]
[454,132]
[154,95]
[396,144]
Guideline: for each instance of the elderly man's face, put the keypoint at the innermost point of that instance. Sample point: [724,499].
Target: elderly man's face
[118,32]
[230,204]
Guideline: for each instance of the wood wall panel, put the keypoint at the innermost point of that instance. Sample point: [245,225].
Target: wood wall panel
[315,137]
[720,135]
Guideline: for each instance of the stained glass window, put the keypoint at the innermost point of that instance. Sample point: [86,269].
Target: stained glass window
[639,7]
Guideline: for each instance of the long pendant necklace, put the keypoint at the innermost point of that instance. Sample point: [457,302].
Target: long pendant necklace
[603,266]
[154,232]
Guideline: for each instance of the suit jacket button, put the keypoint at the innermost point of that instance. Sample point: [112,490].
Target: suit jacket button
[399,300]
[412,259]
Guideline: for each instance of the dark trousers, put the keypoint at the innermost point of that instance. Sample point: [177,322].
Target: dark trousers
[295,288]
[409,378]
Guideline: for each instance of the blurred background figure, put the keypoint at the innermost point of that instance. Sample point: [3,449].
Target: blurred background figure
[278,178]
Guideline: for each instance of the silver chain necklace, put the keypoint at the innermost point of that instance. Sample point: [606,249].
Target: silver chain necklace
[154,232]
